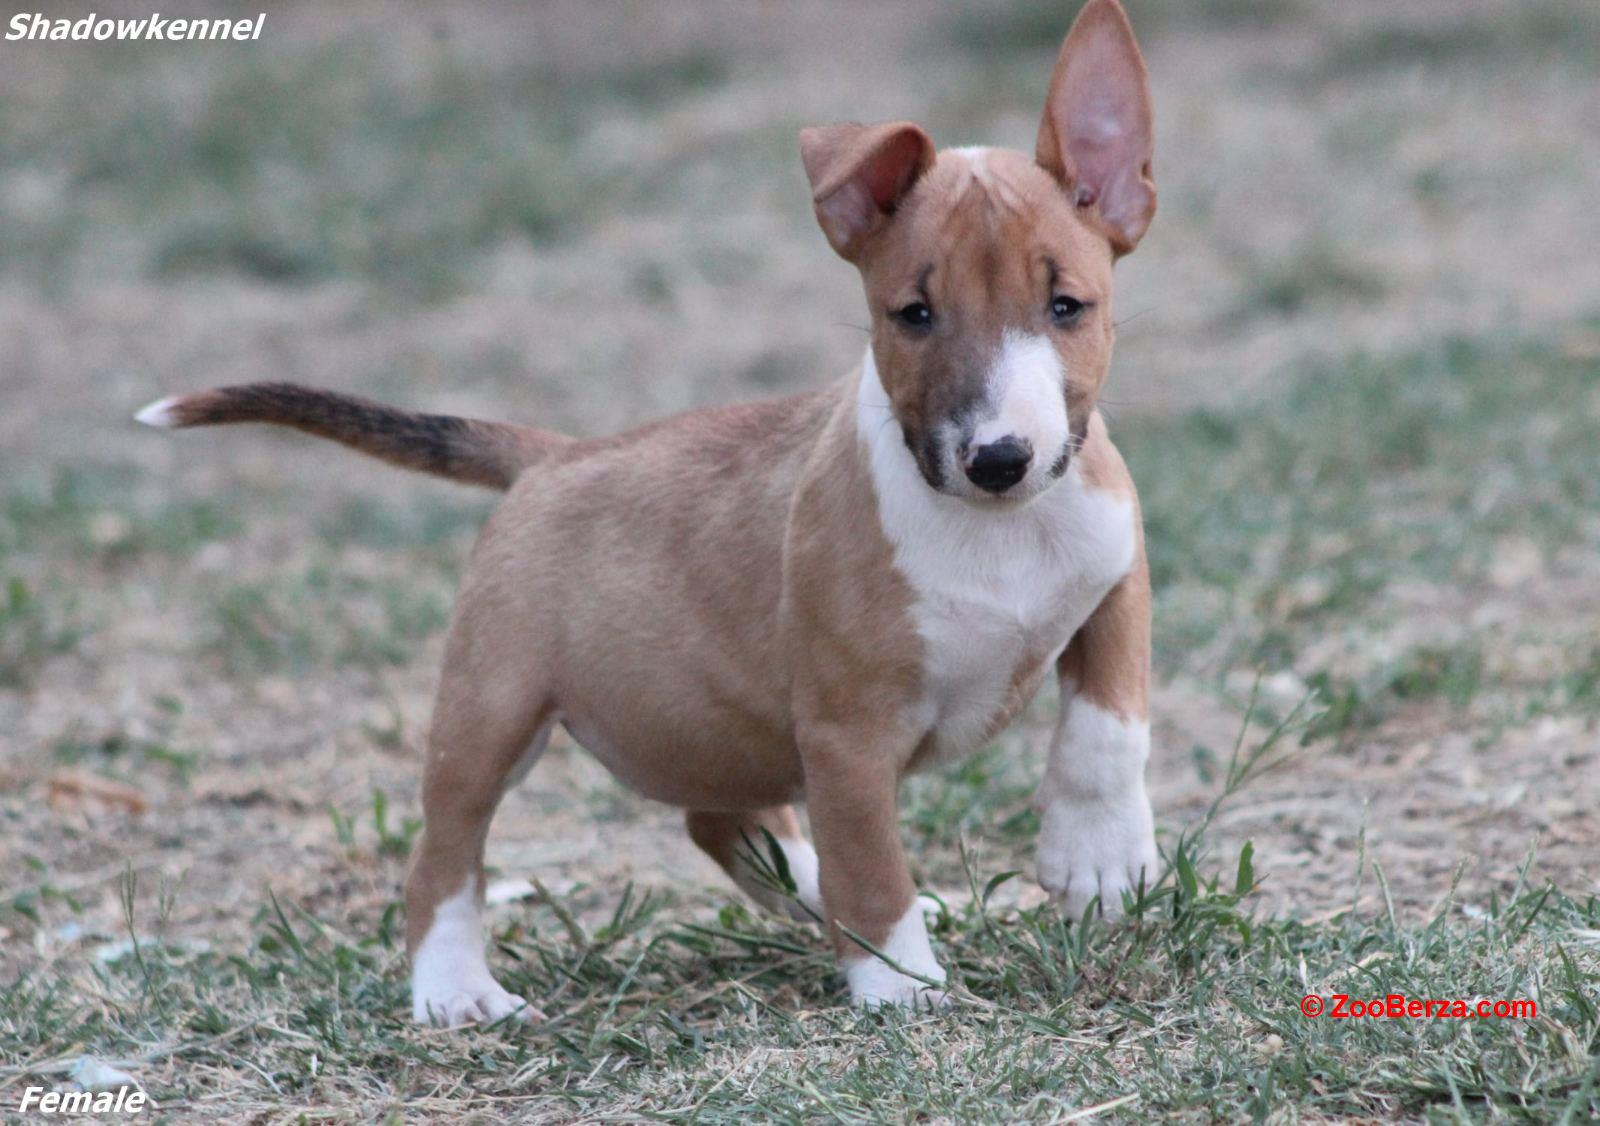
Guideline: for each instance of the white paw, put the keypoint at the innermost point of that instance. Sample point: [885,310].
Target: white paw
[875,983]
[480,1003]
[892,988]
[450,980]
[1092,849]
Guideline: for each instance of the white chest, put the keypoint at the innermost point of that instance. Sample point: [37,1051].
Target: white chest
[996,589]
[991,603]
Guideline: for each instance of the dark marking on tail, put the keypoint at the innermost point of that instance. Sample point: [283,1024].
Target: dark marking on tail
[469,450]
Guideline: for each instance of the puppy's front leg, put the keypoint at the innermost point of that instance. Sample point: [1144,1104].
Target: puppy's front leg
[1097,836]
[851,786]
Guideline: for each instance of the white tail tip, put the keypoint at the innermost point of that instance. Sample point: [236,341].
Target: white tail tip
[159,413]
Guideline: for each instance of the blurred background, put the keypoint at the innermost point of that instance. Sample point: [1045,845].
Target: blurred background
[1356,380]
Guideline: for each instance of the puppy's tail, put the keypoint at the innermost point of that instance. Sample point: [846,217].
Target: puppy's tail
[461,449]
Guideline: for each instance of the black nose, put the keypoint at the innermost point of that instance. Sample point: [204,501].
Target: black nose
[999,465]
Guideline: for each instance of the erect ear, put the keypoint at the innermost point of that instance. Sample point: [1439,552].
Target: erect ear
[858,173]
[1096,136]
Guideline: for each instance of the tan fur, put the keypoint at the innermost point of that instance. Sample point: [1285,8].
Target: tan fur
[1108,660]
[767,637]
[710,605]
[708,602]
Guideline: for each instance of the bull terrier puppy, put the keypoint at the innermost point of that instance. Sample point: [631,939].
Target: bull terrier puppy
[742,608]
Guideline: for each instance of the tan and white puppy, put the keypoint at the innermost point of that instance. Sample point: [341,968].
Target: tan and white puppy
[804,600]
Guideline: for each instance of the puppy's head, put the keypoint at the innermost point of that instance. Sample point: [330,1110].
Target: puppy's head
[988,272]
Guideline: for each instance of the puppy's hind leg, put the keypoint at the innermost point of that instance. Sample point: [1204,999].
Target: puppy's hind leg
[490,724]
[731,838]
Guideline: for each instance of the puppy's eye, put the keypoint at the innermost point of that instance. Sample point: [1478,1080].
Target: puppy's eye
[915,315]
[1066,309]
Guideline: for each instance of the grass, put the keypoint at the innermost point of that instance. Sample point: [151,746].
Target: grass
[55,527]
[430,525]
[107,513]
[34,628]
[1272,525]
[322,618]
[1313,273]
[1190,1007]
[122,756]
[424,163]
[390,839]
[1559,31]
[1289,535]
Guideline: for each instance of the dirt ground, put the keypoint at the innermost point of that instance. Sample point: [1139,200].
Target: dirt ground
[249,667]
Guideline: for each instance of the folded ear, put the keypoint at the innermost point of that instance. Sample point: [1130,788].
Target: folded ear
[1096,136]
[858,173]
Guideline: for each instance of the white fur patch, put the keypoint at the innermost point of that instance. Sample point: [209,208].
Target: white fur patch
[1097,833]
[450,979]
[803,868]
[994,583]
[158,414]
[873,982]
[1026,398]
[977,157]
